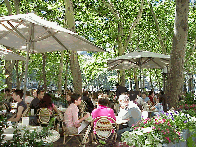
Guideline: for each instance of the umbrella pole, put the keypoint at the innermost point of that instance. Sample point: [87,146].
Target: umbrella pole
[26,69]
[140,79]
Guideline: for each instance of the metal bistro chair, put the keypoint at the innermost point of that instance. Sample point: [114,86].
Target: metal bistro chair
[59,117]
[106,129]
[44,116]
[82,108]
[85,138]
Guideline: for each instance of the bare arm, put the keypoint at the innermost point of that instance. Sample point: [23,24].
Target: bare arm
[58,112]
[18,115]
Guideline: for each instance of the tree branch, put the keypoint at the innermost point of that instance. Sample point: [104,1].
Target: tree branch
[16,5]
[134,25]
[8,7]
[120,26]
[110,6]
[158,30]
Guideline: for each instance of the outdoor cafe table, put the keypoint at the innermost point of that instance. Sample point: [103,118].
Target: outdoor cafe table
[8,132]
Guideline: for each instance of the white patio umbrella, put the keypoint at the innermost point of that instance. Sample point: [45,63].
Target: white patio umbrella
[139,59]
[32,33]
[6,54]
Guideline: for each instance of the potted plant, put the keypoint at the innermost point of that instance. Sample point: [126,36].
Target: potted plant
[165,129]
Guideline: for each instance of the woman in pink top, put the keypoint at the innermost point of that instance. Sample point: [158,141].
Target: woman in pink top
[71,115]
[103,110]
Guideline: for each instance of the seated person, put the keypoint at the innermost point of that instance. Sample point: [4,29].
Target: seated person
[163,100]
[46,102]
[88,101]
[151,97]
[35,102]
[17,96]
[28,98]
[128,111]
[143,99]
[71,115]
[102,109]
[157,105]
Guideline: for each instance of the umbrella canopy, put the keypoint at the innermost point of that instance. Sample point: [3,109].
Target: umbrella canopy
[142,59]
[32,33]
[45,36]
[6,54]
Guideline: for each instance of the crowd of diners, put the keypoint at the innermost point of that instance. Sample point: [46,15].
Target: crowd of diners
[126,105]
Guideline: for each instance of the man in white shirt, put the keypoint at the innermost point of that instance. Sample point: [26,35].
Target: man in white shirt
[128,111]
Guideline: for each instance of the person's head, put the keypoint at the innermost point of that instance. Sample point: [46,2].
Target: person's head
[139,94]
[117,84]
[7,90]
[103,100]
[143,95]
[40,93]
[85,93]
[123,100]
[17,95]
[28,93]
[46,101]
[68,96]
[151,93]
[161,92]
[76,99]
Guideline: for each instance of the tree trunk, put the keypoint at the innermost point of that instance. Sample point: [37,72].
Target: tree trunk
[60,73]
[65,80]
[16,5]
[74,64]
[22,74]
[17,76]
[136,80]
[158,30]
[143,80]
[8,72]
[178,52]
[43,70]
[151,83]
[8,69]
[122,77]
[8,7]
[76,72]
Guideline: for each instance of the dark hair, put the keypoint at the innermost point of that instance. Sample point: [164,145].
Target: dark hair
[103,101]
[39,90]
[144,93]
[19,92]
[85,93]
[160,99]
[7,89]
[161,92]
[151,92]
[28,93]
[46,102]
[69,93]
[74,97]
[117,84]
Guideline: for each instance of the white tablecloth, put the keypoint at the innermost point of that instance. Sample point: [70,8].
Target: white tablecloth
[120,121]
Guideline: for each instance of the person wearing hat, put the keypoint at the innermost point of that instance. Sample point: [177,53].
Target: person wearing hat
[128,111]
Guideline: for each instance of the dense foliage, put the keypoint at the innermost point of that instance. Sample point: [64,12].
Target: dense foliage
[101,24]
